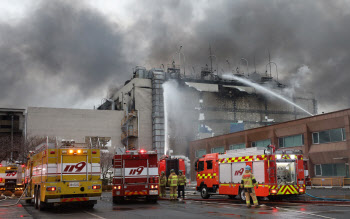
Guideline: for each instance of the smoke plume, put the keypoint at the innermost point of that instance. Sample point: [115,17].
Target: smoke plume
[70,51]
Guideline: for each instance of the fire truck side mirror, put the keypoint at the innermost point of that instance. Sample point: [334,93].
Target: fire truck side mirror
[113,162]
[195,166]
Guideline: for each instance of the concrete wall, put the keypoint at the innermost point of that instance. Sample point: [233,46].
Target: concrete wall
[74,123]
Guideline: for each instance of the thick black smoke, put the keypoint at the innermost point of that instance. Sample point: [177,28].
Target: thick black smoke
[69,46]
[314,34]
[60,54]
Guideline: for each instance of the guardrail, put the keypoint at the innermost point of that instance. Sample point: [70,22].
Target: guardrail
[330,181]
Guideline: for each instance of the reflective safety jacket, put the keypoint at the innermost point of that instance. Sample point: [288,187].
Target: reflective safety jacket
[182,180]
[173,180]
[248,180]
[162,180]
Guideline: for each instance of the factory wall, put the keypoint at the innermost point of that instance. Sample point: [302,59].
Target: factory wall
[324,158]
[74,123]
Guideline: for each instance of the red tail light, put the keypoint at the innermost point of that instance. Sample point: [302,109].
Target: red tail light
[142,151]
[52,152]
[96,186]
[51,188]
[301,190]
[94,152]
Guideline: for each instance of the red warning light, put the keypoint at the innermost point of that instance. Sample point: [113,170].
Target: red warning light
[142,151]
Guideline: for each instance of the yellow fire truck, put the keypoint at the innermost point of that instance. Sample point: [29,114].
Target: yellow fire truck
[11,177]
[63,174]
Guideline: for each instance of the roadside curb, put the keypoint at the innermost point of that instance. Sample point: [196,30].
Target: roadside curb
[265,202]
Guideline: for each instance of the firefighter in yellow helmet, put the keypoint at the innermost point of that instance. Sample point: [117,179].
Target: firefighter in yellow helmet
[248,182]
[162,184]
[172,181]
[181,184]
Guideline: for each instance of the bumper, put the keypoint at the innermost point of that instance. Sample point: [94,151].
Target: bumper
[76,199]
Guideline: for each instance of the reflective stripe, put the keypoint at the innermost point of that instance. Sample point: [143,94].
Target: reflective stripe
[182,180]
[162,181]
[173,180]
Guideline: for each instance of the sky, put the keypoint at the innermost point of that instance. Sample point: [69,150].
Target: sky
[62,53]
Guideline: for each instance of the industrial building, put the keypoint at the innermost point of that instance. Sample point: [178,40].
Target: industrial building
[197,106]
[12,127]
[324,140]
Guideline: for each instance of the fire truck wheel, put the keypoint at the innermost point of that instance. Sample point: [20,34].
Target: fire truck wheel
[35,198]
[242,195]
[41,205]
[204,192]
[152,199]
[118,200]
[90,205]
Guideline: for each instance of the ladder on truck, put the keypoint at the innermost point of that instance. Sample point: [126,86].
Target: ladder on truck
[118,163]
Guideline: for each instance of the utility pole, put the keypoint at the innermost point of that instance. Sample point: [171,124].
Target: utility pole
[211,59]
[11,138]
[269,62]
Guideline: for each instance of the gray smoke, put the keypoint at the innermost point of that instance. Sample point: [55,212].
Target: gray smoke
[61,53]
[297,34]
[68,46]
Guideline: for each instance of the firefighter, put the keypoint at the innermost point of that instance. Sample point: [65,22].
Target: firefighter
[181,184]
[172,181]
[248,182]
[162,184]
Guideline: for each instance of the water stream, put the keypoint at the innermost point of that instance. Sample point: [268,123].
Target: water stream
[166,117]
[263,90]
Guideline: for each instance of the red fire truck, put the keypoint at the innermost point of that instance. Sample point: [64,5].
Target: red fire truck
[278,173]
[167,163]
[135,175]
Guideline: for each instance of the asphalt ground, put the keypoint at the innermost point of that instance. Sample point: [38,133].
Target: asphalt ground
[193,209]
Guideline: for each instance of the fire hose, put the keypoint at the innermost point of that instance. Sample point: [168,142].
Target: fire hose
[328,199]
[24,191]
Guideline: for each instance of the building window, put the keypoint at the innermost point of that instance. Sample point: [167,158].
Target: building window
[332,169]
[291,141]
[237,146]
[318,171]
[262,143]
[331,135]
[218,150]
[201,152]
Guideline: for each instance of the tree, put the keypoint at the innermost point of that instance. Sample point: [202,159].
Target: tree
[106,165]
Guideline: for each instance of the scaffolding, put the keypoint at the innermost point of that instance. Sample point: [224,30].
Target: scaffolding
[158,137]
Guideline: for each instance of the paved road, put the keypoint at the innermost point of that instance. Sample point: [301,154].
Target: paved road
[192,209]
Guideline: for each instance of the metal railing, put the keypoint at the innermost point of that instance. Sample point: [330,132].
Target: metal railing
[339,181]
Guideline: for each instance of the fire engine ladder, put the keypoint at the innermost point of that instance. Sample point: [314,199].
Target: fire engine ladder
[118,163]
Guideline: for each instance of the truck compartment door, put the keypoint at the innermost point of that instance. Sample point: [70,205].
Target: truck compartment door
[74,168]
[237,171]
[225,173]
[259,171]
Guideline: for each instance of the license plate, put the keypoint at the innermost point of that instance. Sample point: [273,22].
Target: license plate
[74,184]
[153,192]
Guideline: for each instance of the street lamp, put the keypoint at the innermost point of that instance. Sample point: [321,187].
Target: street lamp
[275,66]
[247,64]
[229,66]
[183,55]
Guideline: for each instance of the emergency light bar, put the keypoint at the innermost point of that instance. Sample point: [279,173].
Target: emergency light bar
[75,152]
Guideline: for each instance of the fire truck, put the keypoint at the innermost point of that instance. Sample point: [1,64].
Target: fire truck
[64,174]
[11,177]
[167,163]
[135,176]
[278,173]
